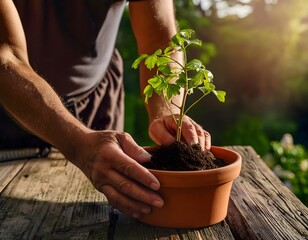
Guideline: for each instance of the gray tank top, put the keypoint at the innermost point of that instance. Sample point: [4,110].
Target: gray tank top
[70,42]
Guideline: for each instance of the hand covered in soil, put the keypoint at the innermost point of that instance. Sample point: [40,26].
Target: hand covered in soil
[111,161]
[163,131]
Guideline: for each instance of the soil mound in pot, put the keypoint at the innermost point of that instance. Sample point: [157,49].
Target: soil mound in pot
[180,156]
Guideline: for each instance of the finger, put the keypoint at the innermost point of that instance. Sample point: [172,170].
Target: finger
[208,141]
[134,190]
[204,137]
[123,203]
[132,149]
[189,132]
[201,137]
[194,133]
[130,168]
[162,131]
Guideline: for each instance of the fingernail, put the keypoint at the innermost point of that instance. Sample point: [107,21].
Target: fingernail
[155,186]
[145,155]
[158,203]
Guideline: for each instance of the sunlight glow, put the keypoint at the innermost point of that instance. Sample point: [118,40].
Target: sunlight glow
[224,10]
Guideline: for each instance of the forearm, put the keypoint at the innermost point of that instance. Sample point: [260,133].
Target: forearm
[34,104]
[154,25]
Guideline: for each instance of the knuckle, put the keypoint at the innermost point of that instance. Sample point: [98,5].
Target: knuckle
[112,195]
[99,186]
[106,137]
[123,136]
[190,127]
[125,187]
[206,134]
[199,131]
[128,169]
[113,199]
[98,177]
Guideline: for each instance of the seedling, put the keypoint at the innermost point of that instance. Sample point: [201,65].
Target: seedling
[173,77]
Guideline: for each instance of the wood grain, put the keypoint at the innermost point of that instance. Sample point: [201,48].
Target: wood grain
[52,199]
[8,171]
[261,206]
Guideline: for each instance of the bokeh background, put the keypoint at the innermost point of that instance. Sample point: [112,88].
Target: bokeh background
[258,53]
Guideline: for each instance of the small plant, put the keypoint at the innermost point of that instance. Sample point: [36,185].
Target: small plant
[172,76]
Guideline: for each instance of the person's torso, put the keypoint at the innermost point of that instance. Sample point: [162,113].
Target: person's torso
[70,42]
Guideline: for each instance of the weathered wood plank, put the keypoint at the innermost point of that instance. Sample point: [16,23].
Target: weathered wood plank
[8,170]
[261,206]
[218,231]
[52,199]
[127,228]
[131,229]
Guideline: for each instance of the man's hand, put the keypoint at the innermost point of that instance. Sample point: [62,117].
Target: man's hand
[163,130]
[111,161]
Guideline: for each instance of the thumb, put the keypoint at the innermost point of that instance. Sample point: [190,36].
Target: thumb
[163,131]
[132,149]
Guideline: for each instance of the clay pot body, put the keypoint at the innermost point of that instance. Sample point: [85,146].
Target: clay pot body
[195,199]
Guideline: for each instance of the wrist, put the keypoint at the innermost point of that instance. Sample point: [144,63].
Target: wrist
[162,112]
[75,143]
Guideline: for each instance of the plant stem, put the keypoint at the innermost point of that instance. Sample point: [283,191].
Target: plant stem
[179,122]
[174,61]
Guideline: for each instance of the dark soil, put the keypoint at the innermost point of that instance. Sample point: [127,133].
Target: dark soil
[180,156]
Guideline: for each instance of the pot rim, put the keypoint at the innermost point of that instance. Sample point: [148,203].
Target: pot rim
[214,149]
[207,177]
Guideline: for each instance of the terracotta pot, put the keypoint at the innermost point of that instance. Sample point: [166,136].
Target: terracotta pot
[195,199]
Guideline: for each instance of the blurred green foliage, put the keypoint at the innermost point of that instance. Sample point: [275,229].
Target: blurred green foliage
[290,163]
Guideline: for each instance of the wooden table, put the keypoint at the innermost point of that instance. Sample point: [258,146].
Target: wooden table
[49,198]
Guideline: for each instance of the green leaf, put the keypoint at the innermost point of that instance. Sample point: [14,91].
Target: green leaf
[151,61]
[181,80]
[194,64]
[209,86]
[186,33]
[203,90]
[178,40]
[196,42]
[171,77]
[181,37]
[158,52]
[208,76]
[139,60]
[148,92]
[168,50]
[158,83]
[164,69]
[155,81]
[163,86]
[162,61]
[197,79]
[173,90]
[221,95]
